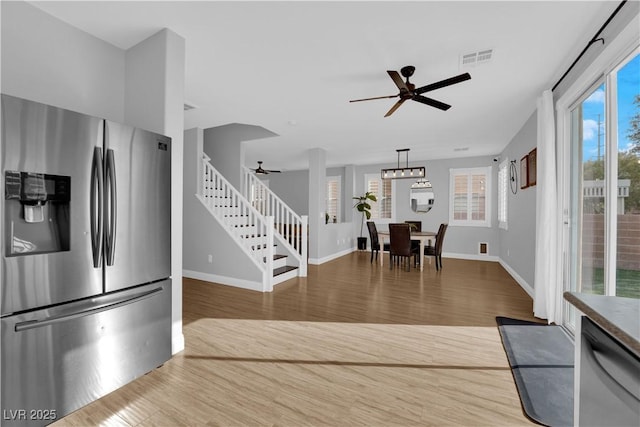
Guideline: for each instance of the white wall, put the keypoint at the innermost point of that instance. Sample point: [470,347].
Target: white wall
[49,61]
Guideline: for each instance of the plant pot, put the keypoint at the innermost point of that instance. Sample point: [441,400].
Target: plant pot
[362,243]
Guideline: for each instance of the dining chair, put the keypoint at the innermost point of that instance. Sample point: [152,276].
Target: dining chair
[375,241]
[400,242]
[436,250]
[415,226]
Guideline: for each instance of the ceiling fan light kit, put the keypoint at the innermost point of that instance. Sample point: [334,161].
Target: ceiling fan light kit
[408,90]
[403,172]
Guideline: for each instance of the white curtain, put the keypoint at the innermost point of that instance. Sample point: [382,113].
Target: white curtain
[547,302]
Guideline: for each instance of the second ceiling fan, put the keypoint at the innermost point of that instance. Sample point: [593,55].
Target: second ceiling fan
[408,90]
[260,171]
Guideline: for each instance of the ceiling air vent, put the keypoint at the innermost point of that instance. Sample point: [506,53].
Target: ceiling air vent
[475,58]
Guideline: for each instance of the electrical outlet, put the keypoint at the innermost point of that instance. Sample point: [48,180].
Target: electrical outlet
[210,258]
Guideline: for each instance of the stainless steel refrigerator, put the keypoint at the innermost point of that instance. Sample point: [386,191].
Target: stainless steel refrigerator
[86,258]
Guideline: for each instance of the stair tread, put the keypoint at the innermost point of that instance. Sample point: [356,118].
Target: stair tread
[285,269]
[263,246]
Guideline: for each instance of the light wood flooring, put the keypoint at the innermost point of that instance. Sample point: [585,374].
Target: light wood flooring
[352,344]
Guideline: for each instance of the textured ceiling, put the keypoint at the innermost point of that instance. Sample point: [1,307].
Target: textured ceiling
[291,67]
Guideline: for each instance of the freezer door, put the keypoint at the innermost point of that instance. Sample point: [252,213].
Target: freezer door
[46,181]
[57,360]
[137,206]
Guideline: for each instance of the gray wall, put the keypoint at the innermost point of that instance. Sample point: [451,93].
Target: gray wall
[203,236]
[293,188]
[332,240]
[517,243]
[224,146]
[459,241]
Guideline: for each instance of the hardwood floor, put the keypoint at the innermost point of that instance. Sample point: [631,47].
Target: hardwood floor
[351,344]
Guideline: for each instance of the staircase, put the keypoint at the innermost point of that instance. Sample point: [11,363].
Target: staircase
[276,244]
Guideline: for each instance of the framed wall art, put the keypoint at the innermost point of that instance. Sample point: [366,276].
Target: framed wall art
[531,167]
[524,172]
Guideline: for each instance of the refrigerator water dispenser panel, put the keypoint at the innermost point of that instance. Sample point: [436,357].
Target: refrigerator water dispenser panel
[36,213]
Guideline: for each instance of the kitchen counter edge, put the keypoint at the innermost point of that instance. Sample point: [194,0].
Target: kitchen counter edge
[619,316]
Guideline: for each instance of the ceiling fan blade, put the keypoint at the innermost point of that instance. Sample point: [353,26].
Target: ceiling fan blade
[395,107]
[272,171]
[431,102]
[443,83]
[398,80]
[377,97]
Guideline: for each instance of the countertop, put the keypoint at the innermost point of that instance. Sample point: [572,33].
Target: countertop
[620,317]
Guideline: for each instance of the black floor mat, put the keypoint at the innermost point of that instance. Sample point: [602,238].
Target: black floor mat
[541,360]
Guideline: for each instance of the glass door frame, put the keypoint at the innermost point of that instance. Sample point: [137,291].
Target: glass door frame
[602,69]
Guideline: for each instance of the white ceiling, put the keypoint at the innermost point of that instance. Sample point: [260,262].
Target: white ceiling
[292,67]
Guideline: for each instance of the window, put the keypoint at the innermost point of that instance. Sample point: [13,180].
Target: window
[383,189]
[503,184]
[604,172]
[332,199]
[470,194]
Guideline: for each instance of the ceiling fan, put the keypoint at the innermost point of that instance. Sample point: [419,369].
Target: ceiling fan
[408,90]
[260,171]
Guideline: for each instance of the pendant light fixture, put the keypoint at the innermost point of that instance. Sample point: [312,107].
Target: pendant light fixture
[403,172]
[422,183]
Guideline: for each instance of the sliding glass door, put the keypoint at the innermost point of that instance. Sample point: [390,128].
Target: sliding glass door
[604,187]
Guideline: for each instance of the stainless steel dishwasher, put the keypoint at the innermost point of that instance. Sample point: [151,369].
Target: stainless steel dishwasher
[609,380]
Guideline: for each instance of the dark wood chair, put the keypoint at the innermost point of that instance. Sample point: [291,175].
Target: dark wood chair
[436,250]
[400,242]
[375,241]
[415,226]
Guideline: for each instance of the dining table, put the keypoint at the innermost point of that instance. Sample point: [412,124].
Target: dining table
[421,236]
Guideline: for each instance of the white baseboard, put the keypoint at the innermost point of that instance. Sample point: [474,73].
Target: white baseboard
[523,283]
[318,261]
[492,258]
[224,280]
[473,257]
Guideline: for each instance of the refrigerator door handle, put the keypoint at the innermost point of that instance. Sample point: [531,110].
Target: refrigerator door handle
[33,324]
[96,206]
[113,211]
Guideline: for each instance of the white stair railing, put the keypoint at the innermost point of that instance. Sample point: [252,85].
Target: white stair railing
[291,228]
[253,231]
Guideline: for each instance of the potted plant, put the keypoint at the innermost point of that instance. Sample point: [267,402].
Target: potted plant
[362,205]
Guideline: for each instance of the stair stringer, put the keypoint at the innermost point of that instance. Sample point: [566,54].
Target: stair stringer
[265,268]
